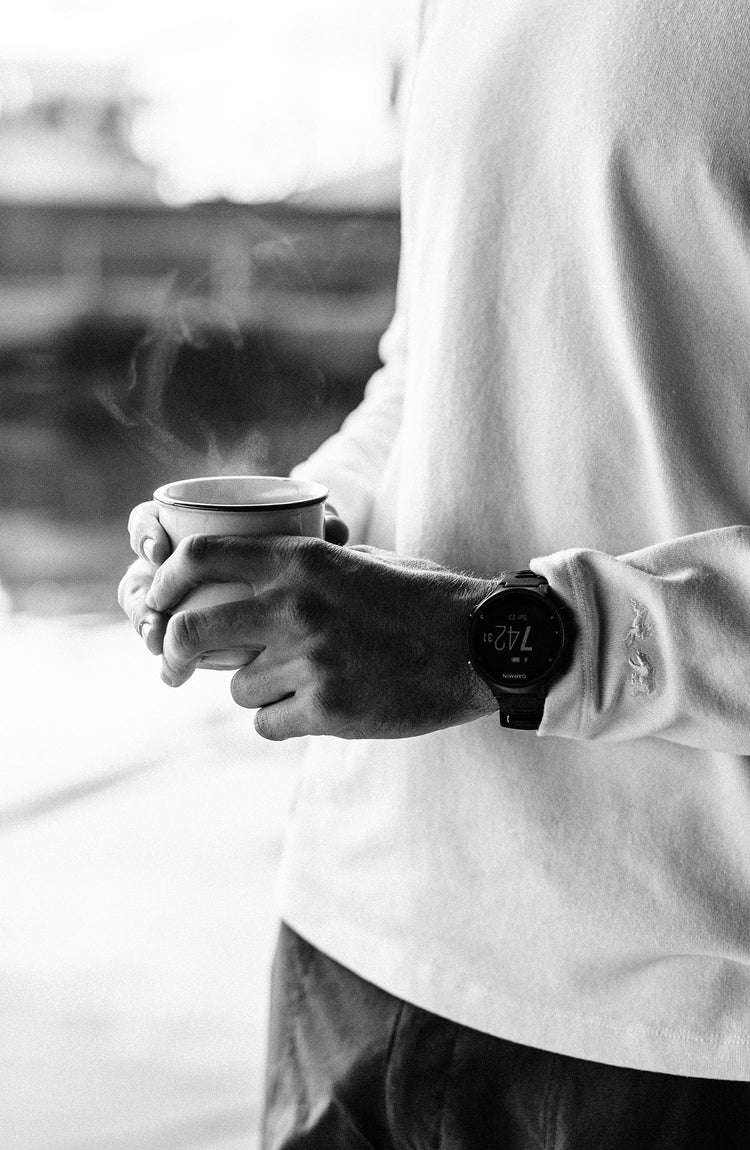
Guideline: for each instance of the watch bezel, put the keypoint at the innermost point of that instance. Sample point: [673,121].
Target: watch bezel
[552,671]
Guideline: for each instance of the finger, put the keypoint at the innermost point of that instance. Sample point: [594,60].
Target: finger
[335,529]
[131,595]
[151,630]
[147,536]
[287,719]
[255,561]
[133,586]
[191,635]
[229,659]
[261,686]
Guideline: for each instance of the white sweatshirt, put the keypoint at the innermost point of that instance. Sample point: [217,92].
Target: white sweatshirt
[565,386]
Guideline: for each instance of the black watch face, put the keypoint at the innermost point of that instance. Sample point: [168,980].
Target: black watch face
[516,638]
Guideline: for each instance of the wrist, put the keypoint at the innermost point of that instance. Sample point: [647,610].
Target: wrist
[519,641]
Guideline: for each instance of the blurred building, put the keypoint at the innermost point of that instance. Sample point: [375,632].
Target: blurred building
[65,135]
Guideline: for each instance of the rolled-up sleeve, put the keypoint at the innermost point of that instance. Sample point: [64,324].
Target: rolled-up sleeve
[662,645]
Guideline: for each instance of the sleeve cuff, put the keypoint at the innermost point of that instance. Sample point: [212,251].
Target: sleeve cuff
[568,709]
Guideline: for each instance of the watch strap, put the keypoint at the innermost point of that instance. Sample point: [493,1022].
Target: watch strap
[524,578]
[522,712]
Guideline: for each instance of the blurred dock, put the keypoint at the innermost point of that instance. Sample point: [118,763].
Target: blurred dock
[140,834]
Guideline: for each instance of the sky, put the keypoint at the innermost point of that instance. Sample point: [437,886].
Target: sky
[244,98]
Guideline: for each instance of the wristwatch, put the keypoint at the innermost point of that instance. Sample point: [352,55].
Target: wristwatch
[520,639]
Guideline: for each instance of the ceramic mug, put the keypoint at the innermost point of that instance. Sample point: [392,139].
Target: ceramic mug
[237,505]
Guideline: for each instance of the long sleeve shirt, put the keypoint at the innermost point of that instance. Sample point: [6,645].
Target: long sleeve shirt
[566,386]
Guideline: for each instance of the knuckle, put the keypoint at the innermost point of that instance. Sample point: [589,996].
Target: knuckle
[329,710]
[266,727]
[262,684]
[128,588]
[141,519]
[194,549]
[329,696]
[275,604]
[306,553]
[310,608]
[186,633]
[135,517]
[238,688]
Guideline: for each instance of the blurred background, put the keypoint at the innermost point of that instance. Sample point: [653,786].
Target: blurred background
[199,233]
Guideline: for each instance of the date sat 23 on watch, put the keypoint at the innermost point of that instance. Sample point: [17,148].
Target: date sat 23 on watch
[520,637]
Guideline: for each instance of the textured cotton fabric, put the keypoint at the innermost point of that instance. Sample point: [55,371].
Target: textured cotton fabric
[565,386]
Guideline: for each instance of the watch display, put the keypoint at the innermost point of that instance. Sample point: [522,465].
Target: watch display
[516,638]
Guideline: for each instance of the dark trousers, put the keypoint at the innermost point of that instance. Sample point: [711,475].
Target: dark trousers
[352,1068]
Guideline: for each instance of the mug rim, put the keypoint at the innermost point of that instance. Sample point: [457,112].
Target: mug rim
[161,495]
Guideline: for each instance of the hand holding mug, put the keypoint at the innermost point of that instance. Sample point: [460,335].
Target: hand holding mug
[347,641]
[215,505]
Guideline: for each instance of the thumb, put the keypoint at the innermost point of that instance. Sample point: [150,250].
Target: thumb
[334,528]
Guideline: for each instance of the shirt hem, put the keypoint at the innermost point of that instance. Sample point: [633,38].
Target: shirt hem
[593,1037]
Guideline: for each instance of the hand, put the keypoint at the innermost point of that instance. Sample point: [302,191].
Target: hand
[353,642]
[151,544]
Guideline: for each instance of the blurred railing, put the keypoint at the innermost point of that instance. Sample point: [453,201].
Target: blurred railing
[321,275]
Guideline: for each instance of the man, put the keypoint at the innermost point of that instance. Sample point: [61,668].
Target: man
[494,936]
